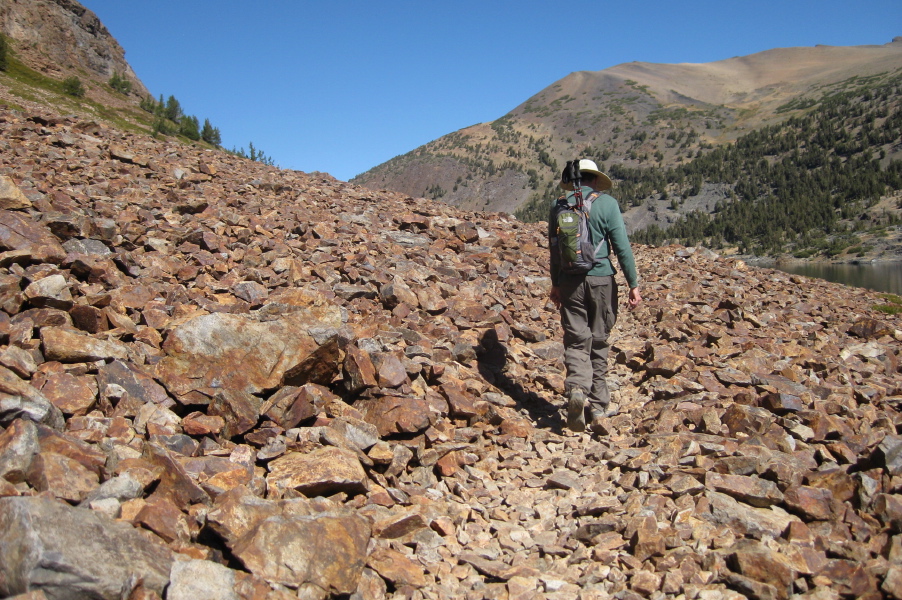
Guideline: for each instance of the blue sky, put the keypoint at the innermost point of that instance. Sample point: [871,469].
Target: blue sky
[341,86]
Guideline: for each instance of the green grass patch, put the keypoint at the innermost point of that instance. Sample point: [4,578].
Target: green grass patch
[893,305]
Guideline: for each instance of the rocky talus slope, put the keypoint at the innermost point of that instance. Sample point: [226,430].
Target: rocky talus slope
[221,380]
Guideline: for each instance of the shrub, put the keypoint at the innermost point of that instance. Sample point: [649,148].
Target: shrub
[4,51]
[73,87]
[120,84]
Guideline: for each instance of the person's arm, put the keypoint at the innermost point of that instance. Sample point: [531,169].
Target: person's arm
[619,244]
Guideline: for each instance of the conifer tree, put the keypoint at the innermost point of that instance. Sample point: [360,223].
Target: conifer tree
[173,110]
[4,50]
[189,127]
[210,134]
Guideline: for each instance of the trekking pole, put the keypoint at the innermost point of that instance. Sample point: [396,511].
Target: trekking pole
[574,175]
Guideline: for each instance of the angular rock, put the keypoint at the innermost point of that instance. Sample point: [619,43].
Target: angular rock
[67,345]
[392,414]
[18,446]
[324,472]
[747,520]
[18,233]
[61,476]
[238,352]
[11,197]
[91,557]
[18,399]
[396,568]
[289,406]
[327,550]
[192,579]
[751,490]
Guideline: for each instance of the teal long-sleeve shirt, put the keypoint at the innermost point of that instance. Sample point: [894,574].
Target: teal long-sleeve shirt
[605,221]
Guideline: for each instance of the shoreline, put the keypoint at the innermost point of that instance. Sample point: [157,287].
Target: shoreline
[782,260]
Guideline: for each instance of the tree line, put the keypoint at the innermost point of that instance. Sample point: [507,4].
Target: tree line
[791,186]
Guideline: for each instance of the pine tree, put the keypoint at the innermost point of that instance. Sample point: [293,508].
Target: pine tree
[189,128]
[173,110]
[210,134]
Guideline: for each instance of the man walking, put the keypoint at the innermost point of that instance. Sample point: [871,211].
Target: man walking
[588,301]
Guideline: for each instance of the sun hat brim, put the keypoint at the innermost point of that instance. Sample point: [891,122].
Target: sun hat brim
[603,182]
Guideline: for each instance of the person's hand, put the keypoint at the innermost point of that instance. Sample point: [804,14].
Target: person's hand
[555,296]
[634,298]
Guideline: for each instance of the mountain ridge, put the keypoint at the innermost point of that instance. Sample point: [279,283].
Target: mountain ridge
[634,115]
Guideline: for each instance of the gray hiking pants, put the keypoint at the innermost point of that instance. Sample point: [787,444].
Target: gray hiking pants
[588,314]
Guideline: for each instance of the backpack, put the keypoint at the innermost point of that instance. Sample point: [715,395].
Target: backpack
[573,239]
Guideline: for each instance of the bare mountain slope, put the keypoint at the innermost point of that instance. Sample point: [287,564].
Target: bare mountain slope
[61,38]
[762,76]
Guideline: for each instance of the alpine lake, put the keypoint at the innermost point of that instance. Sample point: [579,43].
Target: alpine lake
[877,276]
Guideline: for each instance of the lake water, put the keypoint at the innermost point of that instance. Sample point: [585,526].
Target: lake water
[880,277]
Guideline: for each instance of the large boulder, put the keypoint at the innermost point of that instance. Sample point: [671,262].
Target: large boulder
[250,352]
[74,553]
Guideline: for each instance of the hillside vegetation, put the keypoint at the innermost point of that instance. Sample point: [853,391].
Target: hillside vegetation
[804,185]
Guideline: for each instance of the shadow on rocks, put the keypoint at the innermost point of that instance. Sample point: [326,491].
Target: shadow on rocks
[491,358]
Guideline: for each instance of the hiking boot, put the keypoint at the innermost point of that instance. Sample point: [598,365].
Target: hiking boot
[576,413]
[599,417]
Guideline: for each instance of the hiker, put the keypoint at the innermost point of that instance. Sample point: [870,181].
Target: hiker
[588,302]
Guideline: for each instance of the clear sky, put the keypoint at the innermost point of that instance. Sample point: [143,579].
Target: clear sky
[341,86]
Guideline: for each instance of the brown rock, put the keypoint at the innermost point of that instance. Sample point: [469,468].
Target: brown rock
[324,471]
[289,406]
[326,549]
[749,420]
[72,395]
[751,521]
[18,399]
[396,568]
[810,502]
[867,327]
[18,446]
[396,293]
[393,414]
[67,345]
[359,371]
[751,490]
[175,483]
[759,563]
[88,455]
[11,197]
[51,291]
[200,424]
[160,514]
[390,370]
[239,410]
[139,385]
[463,405]
[62,476]
[18,233]
[247,353]
[89,318]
